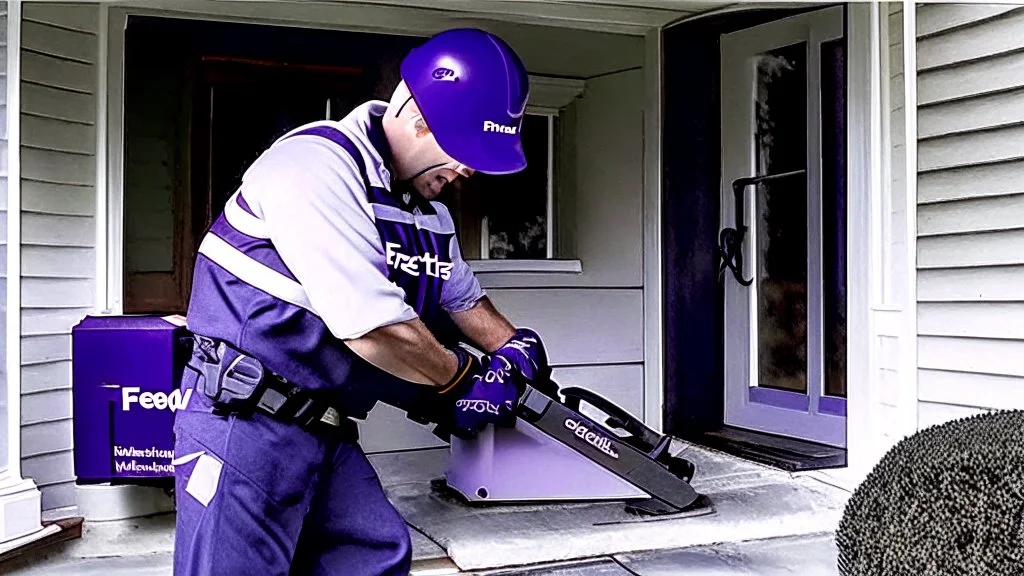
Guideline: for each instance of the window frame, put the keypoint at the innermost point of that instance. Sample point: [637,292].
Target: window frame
[549,222]
[548,97]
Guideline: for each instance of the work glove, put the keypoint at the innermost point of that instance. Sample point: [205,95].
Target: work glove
[482,393]
[526,353]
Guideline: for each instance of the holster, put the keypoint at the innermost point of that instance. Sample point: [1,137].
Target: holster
[238,383]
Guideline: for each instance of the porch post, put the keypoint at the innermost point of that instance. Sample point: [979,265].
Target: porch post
[20,499]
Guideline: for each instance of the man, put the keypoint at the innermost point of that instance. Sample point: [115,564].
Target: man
[327,285]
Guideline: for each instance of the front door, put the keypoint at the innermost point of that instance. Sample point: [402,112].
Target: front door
[783,219]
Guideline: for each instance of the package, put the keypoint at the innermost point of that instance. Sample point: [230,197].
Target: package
[126,372]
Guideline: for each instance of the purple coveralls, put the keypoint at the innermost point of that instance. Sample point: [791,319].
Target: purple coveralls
[313,248]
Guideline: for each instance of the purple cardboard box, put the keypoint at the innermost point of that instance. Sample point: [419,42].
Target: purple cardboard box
[125,376]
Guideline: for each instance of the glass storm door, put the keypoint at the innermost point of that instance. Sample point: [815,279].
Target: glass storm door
[783,227]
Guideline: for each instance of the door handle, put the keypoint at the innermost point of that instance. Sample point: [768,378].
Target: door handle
[730,240]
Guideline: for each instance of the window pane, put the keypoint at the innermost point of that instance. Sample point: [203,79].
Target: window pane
[781,224]
[833,150]
[514,205]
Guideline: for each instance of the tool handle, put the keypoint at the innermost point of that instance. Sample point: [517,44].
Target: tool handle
[619,418]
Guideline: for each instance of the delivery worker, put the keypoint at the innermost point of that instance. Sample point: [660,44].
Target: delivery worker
[332,281]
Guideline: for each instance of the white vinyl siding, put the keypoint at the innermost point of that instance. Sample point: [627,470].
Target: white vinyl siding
[970,209]
[58,155]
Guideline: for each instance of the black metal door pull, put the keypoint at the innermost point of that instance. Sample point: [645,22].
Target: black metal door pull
[730,240]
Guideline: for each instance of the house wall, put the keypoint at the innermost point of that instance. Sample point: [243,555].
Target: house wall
[970,209]
[58,162]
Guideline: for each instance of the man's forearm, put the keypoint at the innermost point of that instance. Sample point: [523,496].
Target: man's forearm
[409,351]
[484,325]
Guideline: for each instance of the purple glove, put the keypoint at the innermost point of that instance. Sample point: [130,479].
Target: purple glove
[526,353]
[486,394]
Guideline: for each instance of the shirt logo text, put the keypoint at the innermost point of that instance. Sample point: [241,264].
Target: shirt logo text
[415,265]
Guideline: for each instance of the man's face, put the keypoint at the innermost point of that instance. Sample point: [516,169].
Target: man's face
[415,152]
[432,182]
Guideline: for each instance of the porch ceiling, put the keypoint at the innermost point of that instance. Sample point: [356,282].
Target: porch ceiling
[633,17]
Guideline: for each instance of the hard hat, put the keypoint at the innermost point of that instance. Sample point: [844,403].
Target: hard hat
[472,89]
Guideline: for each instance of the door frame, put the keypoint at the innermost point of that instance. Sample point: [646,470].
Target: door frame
[688,212]
[811,415]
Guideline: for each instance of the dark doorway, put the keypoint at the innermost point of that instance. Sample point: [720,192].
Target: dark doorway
[202,101]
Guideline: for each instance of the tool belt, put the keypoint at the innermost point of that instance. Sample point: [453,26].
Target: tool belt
[238,383]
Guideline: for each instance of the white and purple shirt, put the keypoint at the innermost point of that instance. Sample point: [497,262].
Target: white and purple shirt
[314,248]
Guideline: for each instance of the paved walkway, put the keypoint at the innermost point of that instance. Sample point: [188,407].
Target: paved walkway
[766,522]
[810,555]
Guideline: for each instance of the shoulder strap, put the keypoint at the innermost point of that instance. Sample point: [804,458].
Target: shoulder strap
[341,139]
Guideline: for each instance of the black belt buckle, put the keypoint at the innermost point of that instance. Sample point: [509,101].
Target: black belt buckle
[289,403]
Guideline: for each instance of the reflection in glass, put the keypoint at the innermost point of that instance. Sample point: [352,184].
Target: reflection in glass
[506,216]
[780,227]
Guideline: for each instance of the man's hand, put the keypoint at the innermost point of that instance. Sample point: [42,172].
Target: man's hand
[485,394]
[526,354]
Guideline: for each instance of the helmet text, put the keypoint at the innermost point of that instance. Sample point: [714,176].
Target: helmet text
[495,127]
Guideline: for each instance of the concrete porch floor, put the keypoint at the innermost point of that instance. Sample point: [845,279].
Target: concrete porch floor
[765,522]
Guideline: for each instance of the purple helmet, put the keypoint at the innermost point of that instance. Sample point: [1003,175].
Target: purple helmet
[472,89]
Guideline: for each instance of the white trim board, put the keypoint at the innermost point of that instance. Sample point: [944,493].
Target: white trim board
[549,266]
[908,387]
[102,212]
[864,186]
[654,382]
[12,315]
[110,242]
[548,95]
[429,16]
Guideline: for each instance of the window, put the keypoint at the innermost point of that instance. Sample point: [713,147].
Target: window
[511,217]
[509,223]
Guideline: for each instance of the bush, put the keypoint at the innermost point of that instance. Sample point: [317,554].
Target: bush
[947,500]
